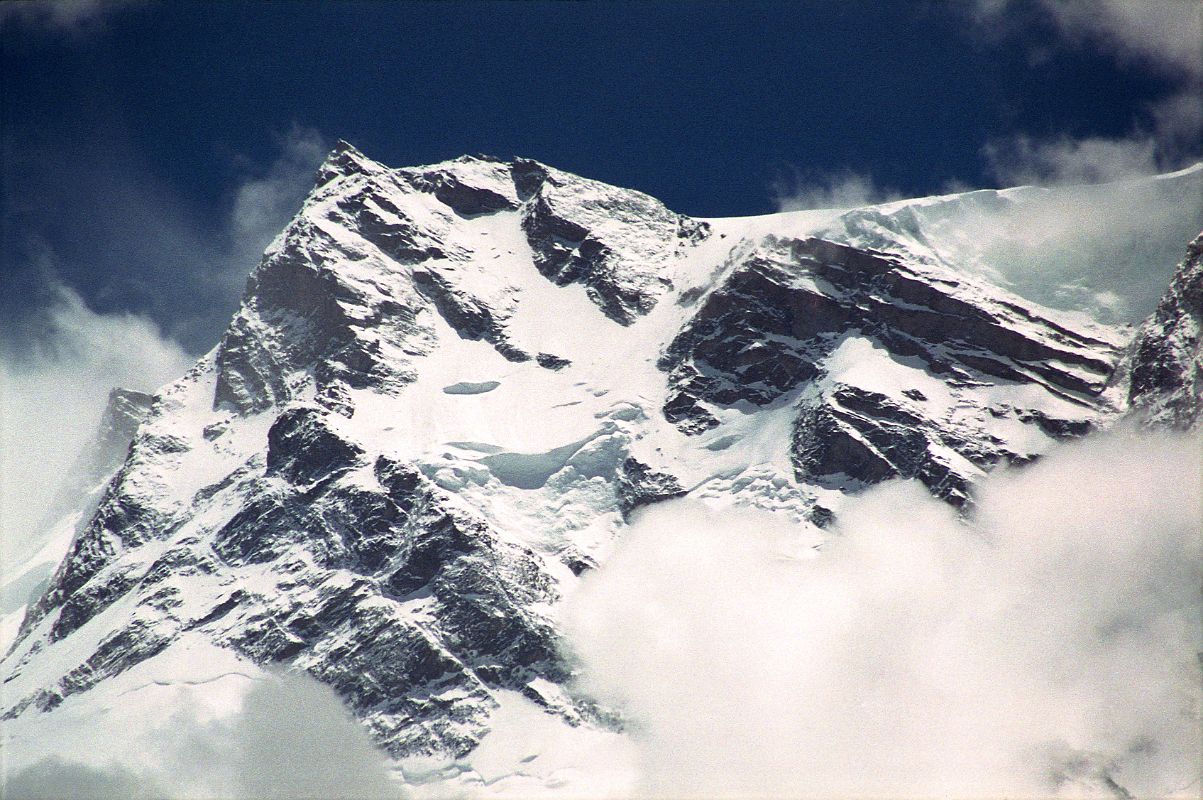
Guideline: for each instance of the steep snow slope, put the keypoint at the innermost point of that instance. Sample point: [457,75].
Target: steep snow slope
[446,389]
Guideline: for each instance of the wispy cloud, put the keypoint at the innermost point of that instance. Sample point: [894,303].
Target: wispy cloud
[55,380]
[1022,160]
[1165,36]
[1046,649]
[69,16]
[266,199]
[125,238]
[796,190]
[135,244]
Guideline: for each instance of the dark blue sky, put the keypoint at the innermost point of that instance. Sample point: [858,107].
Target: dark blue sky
[127,137]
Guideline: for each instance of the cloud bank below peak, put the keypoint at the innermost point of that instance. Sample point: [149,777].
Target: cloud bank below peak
[1047,649]
[289,737]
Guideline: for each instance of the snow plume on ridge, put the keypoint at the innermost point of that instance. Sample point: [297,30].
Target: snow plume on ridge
[291,738]
[796,191]
[263,204]
[55,383]
[1023,160]
[1109,249]
[1047,648]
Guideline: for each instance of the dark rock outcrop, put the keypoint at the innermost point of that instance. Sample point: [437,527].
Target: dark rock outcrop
[303,313]
[767,330]
[351,548]
[1165,363]
[610,240]
[302,448]
[866,437]
[783,308]
[639,485]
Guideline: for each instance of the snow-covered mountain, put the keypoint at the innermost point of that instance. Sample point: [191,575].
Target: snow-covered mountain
[448,388]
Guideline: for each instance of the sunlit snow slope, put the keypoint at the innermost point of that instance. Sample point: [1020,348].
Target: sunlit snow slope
[448,388]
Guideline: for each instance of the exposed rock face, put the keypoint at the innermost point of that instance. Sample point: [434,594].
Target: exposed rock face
[367,574]
[614,241]
[401,228]
[868,437]
[448,387]
[465,197]
[1165,363]
[785,307]
[360,328]
[639,485]
[369,577]
[126,409]
[409,605]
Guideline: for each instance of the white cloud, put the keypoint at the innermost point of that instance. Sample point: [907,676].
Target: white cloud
[52,393]
[1048,649]
[846,189]
[1166,34]
[73,16]
[1178,124]
[1171,142]
[263,204]
[55,779]
[1163,35]
[292,738]
[125,238]
[1022,160]
[58,365]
